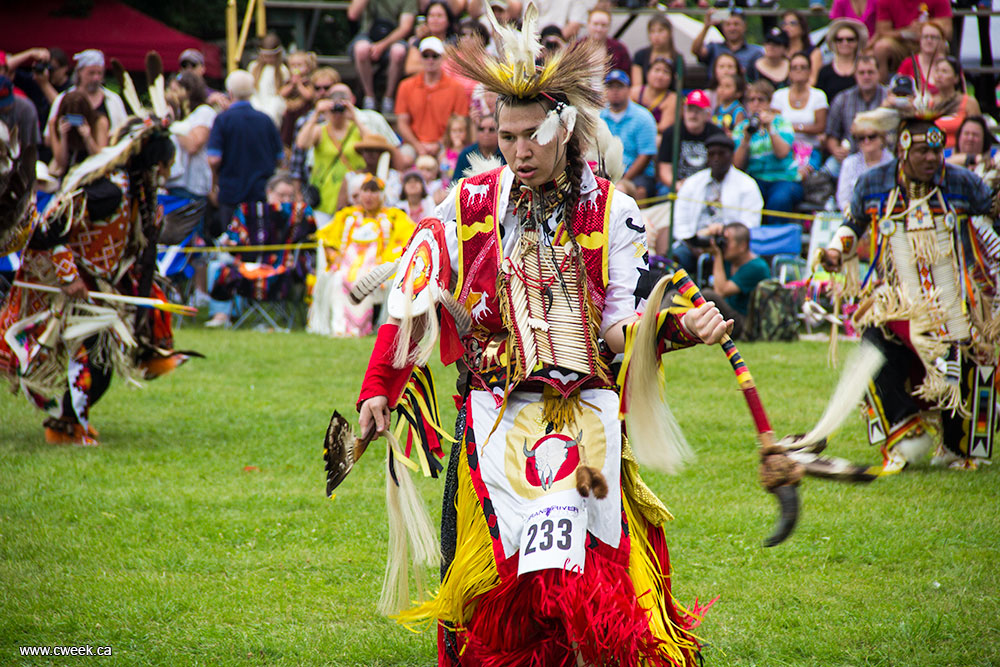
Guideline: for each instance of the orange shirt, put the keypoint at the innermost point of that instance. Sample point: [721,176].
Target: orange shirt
[430,107]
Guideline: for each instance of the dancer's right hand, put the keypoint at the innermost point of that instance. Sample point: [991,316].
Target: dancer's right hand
[76,289]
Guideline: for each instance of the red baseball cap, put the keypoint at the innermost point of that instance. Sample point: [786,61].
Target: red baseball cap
[698,98]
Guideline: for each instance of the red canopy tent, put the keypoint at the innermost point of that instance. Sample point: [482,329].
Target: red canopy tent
[116,29]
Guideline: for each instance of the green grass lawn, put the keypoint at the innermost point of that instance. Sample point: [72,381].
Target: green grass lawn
[199,533]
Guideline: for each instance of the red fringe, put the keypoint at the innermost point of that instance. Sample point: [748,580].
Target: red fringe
[546,618]
[696,614]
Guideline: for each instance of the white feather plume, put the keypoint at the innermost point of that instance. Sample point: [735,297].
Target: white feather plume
[568,117]
[480,164]
[607,150]
[158,95]
[131,96]
[547,131]
[520,48]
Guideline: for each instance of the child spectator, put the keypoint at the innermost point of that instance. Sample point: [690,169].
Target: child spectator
[269,75]
[729,111]
[298,93]
[416,202]
[457,137]
[429,168]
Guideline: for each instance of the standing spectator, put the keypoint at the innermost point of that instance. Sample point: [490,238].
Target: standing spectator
[269,76]
[427,100]
[42,74]
[80,132]
[193,61]
[862,11]
[919,65]
[734,31]
[457,137]
[805,108]
[897,29]
[89,80]
[298,93]
[635,127]
[243,149]
[951,100]
[385,25]
[657,94]
[333,142]
[598,27]
[773,65]
[20,113]
[438,21]
[191,174]
[865,96]
[849,39]
[764,150]
[694,131]
[719,193]
[871,131]
[661,47]
[795,26]
[486,145]
[729,111]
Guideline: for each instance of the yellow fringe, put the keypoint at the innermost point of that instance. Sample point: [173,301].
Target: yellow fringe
[472,573]
[647,575]
[649,505]
[558,410]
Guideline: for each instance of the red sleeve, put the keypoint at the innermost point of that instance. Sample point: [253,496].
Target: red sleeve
[939,9]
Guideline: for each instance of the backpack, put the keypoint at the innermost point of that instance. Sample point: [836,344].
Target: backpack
[773,313]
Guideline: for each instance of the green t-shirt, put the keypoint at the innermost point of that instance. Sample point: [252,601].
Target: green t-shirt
[746,278]
[763,164]
[386,10]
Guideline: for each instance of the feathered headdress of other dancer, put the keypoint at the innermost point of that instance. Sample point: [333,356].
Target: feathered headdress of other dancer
[570,79]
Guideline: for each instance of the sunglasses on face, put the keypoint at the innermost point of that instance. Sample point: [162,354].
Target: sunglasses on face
[187,64]
[865,137]
[430,55]
[845,40]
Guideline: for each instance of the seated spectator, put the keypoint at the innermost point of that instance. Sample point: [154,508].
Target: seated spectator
[848,39]
[436,21]
[974,145]
[694,131]
[89,81]
[720,192]
[764,150]
[734,30]
[416,202]
[725,64]
[951,100]
[269,76]
[80,132]
[919,65]
[773,66]
[381,41]
[866,95]
[636,128]
[359,239]
[661,47]
[657,94]
[430,169]
[332,132]
[243,150]
[598,27]
[371,148]
[729,110]
[897,29]
[487,145]
[271,274]
[298,93]
[426,101]
[794,24]
[736,272]
[862,11]
[872,131]
[457,137]
[805,108]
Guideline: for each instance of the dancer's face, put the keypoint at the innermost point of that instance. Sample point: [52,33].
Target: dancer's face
[532,162]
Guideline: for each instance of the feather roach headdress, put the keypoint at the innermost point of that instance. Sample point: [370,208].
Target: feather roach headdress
[569,82]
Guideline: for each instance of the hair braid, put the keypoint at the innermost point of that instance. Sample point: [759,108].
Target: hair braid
[574,173]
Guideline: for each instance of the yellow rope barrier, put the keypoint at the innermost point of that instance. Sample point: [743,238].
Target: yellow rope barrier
[242,248]
[777,214]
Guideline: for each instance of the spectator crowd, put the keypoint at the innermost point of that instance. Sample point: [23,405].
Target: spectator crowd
[780,126]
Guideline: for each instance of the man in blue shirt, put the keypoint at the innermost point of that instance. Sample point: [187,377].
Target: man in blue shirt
[634,125]
[244,147]
[734,31]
